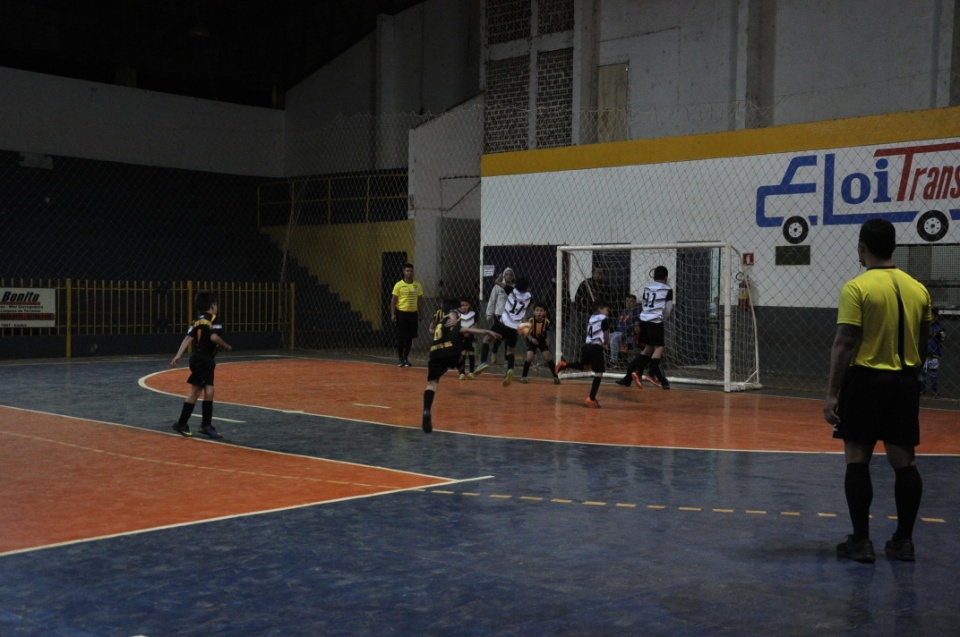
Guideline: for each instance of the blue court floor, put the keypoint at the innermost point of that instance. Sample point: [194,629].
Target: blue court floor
[529,538]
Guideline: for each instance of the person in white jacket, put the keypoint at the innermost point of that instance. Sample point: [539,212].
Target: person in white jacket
[495,307]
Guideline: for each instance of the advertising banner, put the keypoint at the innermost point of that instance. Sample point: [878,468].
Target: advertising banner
[28,307]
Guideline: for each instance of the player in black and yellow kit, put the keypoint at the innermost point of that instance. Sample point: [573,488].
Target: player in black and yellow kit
[206,334]
[445,351]
[538,340]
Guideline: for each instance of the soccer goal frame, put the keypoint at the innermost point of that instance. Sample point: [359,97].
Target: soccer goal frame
[725,350]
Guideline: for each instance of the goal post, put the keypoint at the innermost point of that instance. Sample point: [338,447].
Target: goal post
[710,338]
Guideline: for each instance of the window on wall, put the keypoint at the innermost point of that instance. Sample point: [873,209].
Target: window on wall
[612,95]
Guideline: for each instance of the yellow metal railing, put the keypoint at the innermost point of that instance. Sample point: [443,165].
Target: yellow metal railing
[108,308]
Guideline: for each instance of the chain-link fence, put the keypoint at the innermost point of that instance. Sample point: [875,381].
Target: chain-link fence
[368,194]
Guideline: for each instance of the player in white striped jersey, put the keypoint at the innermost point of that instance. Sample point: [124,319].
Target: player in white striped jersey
[593,354]
[515,311]
[656,307]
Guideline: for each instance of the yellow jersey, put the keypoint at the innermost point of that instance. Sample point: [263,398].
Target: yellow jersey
[407,295]
[869,301]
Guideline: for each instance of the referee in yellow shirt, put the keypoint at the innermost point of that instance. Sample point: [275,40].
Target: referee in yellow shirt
[405,303]
[882,325]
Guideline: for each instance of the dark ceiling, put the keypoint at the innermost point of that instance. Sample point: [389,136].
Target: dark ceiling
[242,51]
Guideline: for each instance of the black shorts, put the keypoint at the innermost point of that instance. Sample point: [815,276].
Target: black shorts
[539,347]
[201,370]
[468,341]
[651,333]
[509,334]
[876,404]
[440,361]
[594,356]
[407,324]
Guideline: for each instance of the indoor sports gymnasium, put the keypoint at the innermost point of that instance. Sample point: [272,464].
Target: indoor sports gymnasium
[291,158]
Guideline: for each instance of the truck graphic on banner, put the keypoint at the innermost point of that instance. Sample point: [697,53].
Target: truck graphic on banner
[906,183]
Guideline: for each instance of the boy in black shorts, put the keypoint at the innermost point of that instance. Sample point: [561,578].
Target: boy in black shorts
[593,355]
[656,307]
[538,340]
[206,335]
[445,352]
[468,318]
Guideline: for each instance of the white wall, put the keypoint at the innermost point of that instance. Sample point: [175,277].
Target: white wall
[421,61]
[691,61]
[847,58]
[444,170]
[60,116]
[743,199]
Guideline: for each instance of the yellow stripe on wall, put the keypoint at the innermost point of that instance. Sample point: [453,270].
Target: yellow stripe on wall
[859,131]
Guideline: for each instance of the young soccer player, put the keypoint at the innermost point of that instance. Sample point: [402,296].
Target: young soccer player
[206,335]
[539,341]
[657,305]
[445,352]
[593,355]
[515,310]
[468,318]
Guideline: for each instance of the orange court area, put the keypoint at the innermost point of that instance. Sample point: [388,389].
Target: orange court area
[66,479]
[680,418]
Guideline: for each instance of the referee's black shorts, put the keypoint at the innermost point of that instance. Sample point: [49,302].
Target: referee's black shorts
[408,324]
[877,404]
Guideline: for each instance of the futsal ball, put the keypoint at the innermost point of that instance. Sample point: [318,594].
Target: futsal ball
[524,329]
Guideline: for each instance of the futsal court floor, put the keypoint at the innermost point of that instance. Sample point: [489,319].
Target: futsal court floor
[327,511]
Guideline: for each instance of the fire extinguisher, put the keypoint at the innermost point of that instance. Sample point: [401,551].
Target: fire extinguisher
[743,293]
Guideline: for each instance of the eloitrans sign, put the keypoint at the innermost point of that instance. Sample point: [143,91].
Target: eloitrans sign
[28,307]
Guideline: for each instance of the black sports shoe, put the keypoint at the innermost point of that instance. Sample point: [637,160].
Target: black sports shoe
[623,381]
[857,550]
[900,550]
[183,430]
[211,432]
[664,384]
[427,421]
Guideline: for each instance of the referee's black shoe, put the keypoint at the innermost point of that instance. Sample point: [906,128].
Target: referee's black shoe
[857,550]
[427,421]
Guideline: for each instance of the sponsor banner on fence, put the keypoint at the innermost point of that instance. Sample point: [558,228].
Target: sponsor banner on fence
[28,307]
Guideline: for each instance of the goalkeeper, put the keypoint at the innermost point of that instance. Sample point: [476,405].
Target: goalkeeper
[538,340]
[656,307]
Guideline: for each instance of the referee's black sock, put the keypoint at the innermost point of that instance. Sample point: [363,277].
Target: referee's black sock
[907,491]
[510,358]
[526,367]
[859,491]
[484,352]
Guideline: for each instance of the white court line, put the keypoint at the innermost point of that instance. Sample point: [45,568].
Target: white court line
[369,405]
[219,418]
[242,515]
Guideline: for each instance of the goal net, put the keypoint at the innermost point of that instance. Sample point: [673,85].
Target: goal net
[710,338]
